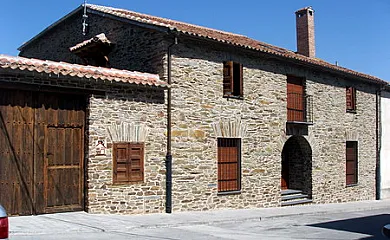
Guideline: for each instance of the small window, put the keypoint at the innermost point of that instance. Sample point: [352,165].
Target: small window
[229,164]
[232,79]
[351,99]
[351,163]
[128,165]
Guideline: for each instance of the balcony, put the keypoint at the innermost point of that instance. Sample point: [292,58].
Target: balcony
[299,109]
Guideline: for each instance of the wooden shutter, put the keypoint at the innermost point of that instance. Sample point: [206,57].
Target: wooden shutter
[295,99]
[351,163]
[229,152]
[241,81]
[128,162]
[351,98]
[238,82]
[136,162]
[228,78]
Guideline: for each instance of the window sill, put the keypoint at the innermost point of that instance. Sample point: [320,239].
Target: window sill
[352,185]
[229,193]
[120,184]
[234,97]
[300,123]
[351,111]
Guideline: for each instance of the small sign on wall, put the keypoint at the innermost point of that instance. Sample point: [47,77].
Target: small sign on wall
[100,148]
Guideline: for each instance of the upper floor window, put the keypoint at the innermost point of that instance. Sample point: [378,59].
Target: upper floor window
[295,99]
[232,79]
[351,99]
[229,164]
[128,165]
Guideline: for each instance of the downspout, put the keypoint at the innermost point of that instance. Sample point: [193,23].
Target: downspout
[378,145]
[168,158]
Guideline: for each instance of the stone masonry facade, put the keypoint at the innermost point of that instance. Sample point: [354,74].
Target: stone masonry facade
[127,106]
[197,103]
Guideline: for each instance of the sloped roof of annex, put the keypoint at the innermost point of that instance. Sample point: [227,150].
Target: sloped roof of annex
[112,75]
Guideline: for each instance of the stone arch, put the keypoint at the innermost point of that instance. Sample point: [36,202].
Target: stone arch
[297,164]
[309,138]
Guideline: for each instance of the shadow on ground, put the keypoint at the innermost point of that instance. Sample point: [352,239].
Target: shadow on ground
[371,225]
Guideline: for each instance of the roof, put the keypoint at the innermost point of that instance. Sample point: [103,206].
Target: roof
[75,70]
[100,38]
[229,38]
[216,35]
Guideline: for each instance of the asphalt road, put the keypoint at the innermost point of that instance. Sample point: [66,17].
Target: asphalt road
[341,225]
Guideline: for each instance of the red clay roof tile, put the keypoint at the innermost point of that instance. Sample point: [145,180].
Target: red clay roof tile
[98,73]
[229,38]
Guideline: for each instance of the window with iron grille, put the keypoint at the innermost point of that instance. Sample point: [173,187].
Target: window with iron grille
[229,164]
[296,102]
[232,79]
[351,99]
[128,165]
[351,162]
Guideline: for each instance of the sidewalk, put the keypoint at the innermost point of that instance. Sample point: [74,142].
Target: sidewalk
[79,222]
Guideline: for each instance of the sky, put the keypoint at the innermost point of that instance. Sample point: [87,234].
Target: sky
[355,33]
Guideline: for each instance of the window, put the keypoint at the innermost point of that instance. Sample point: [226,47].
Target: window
[351,163]
[229,164]
[351,99]
[128,164]
[232,79]
[295,99]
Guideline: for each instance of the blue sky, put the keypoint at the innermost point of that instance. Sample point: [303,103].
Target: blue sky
[355,33]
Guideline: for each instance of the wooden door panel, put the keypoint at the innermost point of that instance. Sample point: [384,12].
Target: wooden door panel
[63,168]
[63,187]
[61,164]
[39,151]
[16,152]
[25,118]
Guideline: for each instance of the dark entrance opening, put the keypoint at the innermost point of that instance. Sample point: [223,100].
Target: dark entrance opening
[297,165]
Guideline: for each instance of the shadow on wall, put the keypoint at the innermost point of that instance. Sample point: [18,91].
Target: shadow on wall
[370,225]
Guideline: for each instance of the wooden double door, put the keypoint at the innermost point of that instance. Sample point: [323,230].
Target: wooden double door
[41,152]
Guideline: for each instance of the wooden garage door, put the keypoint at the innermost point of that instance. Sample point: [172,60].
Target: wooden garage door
[41,153]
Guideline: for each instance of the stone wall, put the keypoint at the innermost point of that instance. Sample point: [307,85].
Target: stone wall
[333,127]
[134,48]
[135,106]
[198,102]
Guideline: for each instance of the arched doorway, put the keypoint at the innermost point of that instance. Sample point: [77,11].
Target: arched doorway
[297,165]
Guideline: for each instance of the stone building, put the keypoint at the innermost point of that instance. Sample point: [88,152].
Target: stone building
[247,124]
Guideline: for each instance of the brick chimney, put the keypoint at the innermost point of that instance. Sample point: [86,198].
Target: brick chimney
[305,32]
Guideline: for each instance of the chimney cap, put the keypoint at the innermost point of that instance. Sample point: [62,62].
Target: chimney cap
[305,9]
